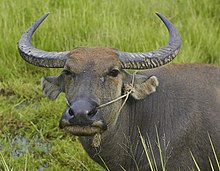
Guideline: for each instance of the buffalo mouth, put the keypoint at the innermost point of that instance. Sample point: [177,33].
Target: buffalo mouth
[83,130]
[80,123]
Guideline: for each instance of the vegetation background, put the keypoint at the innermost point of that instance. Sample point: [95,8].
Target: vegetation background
[29,135]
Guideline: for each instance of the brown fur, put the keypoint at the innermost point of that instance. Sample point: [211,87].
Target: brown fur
[97,58]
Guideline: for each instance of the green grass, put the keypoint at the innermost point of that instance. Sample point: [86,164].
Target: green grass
[164,156]
[216,160]
[129,25]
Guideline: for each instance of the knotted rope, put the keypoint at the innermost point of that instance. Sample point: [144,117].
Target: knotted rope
[128,89]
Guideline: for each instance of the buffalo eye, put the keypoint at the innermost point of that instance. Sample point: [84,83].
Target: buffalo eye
[114,73]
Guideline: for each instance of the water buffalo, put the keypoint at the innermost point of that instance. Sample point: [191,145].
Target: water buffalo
[171,110]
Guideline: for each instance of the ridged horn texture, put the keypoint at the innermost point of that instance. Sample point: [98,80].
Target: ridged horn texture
[39,57]
[156,58]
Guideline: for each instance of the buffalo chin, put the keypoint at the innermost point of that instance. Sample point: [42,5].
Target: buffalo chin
[83,130]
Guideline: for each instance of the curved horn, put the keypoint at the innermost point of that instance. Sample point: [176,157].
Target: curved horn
[39,57]
[156,58]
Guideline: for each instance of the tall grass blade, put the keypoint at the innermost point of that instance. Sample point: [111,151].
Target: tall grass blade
[122,168]
[26,160]
[106,167]
[211,165]
[194,160]
[213,150]
[4,163]
[160,151]
[82,164]
[152,153]
[146,150]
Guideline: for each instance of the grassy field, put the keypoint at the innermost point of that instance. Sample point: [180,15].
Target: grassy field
[29,135]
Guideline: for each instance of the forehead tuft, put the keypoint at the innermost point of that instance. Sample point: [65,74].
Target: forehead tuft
[101,57]
[93,52]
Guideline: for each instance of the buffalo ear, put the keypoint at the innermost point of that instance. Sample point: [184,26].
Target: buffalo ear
[52,86]
[143,85]
[145,88]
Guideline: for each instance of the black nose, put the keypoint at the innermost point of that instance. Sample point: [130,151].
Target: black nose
[81,113]
[83,109]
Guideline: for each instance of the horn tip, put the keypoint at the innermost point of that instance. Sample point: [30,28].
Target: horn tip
[159,14]
[46,14]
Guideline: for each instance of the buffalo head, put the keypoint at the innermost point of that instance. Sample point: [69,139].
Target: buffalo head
[93,76]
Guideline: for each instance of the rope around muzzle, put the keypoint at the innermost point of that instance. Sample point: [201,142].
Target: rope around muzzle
[128,89]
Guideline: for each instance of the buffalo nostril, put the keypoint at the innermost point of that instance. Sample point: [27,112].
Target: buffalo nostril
[92,112]
[71,112]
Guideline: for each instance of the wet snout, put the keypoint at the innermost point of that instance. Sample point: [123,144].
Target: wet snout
[81,113]
[82,118]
